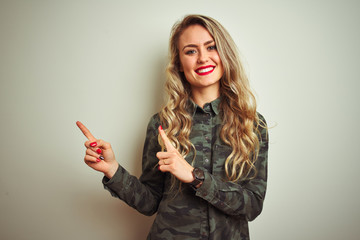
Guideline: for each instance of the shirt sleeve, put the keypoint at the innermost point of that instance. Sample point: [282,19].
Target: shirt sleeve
[240,198]
[143,194]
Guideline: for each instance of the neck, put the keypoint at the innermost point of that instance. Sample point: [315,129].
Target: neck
[203,96]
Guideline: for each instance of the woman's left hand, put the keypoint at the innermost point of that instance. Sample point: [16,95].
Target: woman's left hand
[172,161]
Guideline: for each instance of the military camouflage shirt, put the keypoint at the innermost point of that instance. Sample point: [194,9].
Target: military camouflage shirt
[219,209]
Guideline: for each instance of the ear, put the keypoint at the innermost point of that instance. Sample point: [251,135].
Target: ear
[181,69]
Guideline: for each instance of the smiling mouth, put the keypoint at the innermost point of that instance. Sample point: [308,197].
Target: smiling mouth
[205,70]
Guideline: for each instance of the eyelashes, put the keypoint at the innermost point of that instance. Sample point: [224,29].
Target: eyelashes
[190,52]
[193,51]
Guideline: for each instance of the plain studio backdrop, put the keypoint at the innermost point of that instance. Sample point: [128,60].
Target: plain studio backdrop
[103,63]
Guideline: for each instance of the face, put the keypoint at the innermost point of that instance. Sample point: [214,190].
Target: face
[199,59]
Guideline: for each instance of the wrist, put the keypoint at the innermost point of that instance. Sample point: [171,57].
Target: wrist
[199,177]
[111,172]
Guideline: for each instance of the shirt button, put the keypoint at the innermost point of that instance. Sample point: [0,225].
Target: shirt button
[206,160]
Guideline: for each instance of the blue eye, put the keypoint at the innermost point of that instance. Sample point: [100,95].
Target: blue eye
[190,52]
[212,47]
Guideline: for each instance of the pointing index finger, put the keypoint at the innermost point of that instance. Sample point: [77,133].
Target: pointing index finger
[85,131]
[169,147]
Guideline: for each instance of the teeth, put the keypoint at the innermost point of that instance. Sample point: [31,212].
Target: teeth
[205,70]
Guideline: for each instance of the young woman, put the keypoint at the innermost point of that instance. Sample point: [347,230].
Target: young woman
[205,153]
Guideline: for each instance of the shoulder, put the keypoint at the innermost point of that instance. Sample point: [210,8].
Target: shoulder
[261,127]
[261,118]
[153,124]
[154,120]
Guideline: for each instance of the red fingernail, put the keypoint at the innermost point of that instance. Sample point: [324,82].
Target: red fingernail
[98,160]
[93,144]
[98,151]
[161,127]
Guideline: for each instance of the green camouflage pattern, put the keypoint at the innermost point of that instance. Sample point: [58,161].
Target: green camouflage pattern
[218,209]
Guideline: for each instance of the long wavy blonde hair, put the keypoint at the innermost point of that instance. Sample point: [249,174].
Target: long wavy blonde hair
[238,104]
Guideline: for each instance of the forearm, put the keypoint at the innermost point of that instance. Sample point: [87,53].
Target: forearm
[241,198]
[132,191]
[232,198]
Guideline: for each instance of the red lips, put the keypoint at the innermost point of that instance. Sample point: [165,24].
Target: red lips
[204,70]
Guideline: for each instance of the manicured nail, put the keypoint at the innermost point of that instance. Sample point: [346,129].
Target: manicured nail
[93,144]
[161,127]
[101,157]
[98,160]
[98,151]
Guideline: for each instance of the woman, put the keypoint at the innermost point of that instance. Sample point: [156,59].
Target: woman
[205,173]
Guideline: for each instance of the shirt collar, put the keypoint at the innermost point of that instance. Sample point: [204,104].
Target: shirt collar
[215,106]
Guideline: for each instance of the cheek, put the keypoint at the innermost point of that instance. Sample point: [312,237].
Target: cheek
[187,60]
[182,64]
[216,58]
[218,61]
[186,65]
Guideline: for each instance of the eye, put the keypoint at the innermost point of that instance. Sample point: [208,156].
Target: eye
[213,47]
[189,52]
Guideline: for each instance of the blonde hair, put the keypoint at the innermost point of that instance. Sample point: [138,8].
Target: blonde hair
[238,104]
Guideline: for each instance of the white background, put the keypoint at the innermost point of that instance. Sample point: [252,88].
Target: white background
[102,62]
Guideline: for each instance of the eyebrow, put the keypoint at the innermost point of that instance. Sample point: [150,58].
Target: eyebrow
[194,45]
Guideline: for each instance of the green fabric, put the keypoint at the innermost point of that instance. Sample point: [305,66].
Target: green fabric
[218,209]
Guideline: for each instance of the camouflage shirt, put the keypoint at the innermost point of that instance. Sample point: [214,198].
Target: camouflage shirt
[219,209]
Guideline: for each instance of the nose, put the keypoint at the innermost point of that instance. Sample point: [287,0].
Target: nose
[203,56]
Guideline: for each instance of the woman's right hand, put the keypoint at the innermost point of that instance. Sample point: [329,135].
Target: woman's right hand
[97,148]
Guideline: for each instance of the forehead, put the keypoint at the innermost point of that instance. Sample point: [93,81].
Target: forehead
[194,34]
